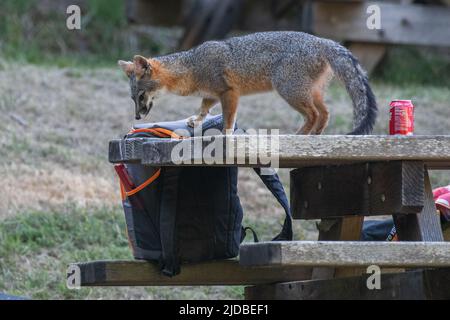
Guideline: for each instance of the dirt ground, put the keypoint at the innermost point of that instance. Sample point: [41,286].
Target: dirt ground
[56,124]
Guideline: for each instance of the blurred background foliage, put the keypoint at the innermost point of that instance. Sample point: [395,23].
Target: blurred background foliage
[35,31]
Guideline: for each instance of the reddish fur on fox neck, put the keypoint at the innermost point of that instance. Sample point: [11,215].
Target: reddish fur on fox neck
[172,81]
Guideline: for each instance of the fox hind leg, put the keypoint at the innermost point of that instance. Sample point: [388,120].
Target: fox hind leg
[297,83]
[304,104]
[324,115]
[296,91]
[310,115]
[317,92]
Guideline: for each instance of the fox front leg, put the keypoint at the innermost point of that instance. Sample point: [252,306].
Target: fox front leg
[207,104]
[229,101]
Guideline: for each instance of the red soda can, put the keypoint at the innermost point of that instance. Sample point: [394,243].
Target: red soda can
[401,117]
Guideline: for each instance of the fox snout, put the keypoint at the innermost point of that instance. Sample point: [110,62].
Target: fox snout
[143,110]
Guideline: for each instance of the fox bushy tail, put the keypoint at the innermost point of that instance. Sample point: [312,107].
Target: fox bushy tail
[349,71]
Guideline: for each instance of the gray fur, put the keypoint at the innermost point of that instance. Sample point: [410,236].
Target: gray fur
[138,89]
[135,93]
[350,72]
[289,62]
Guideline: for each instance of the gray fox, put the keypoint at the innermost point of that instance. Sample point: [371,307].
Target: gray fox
[295,64]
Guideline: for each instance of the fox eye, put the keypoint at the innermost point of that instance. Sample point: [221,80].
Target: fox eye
[141,97]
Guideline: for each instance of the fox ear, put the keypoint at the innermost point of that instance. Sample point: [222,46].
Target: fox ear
[126,66]
[142,64]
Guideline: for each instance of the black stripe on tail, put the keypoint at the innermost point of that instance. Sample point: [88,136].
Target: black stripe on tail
[366,125]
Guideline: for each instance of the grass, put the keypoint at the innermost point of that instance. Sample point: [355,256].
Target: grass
[409,65]
[38,246]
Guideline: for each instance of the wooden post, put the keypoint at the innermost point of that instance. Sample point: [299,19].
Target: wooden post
[344,229]
[424,226]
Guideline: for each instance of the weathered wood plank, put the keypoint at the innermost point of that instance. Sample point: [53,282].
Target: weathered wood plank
[412,285]
[400,23]
[288,151]
[339,229]
[378,188]
[426,225]
[126,150]
[346,254]
[141,273]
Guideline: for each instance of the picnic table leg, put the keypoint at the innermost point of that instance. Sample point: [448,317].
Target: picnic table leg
[344,229]
[424,226]
[335,194]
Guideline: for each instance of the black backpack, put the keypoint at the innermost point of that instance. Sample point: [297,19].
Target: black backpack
[186,214]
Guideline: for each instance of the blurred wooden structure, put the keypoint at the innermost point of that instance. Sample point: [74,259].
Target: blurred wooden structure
[337,179]
[403,22]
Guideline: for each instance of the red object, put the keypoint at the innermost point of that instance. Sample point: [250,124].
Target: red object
[442,200]
[128,184]
[124,177]
[440,191]
[401,117]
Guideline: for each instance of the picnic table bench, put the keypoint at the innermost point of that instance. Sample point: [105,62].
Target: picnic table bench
[336,179]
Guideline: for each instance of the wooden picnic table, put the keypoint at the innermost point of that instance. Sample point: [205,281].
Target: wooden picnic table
[337,179]
[294,151]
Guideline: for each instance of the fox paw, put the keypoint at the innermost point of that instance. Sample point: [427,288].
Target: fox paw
[194,122]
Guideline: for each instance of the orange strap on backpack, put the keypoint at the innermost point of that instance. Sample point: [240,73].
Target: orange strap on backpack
[160,132]
[127,187]
[144,184]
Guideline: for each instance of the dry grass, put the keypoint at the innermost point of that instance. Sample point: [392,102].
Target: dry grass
[56,124]
[44,189]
